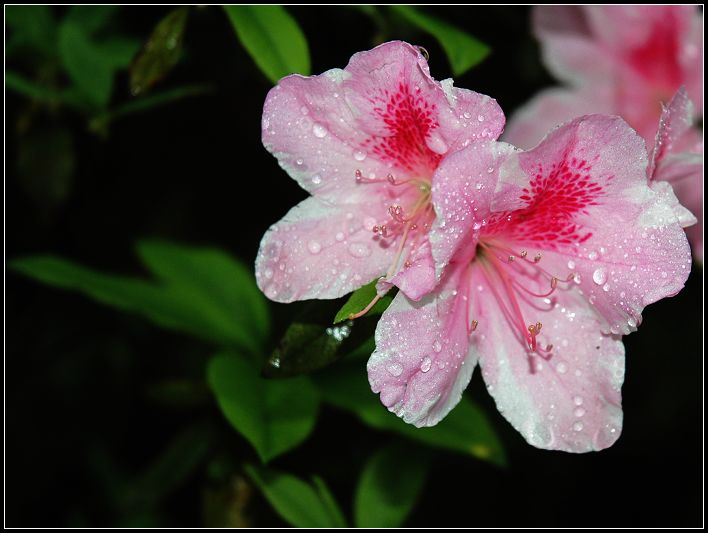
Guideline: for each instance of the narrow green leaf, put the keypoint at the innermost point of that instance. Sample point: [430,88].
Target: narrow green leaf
[463,50]
[329,502]
[273,415]
[161,52]
[389,486]
[90,18]
[358,301]
[296,501]
[273,39]
[31,89]
[85,65]
[203,292]
[466,429]
[171,468]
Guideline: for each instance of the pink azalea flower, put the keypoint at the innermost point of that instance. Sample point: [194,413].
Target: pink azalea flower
[623,60]
[364,142]
[546,258]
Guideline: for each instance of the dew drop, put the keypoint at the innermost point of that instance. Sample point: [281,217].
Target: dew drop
[437,346]
[578,400]
[631,322]
[578,426]
[339,236]
[314,247]
[579,412]
[359,249]
[299,162]
[480,118]
[466,115]
[599,276]
[359,155]
[268,273]
[592,255]
[571,265]
[425,364]
[319,131]
[316,179]
[562,368]
[395,369]
[606,287]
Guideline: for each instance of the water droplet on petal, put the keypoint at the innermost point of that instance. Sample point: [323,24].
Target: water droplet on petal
[268,273]
[579,412]
[578,400]
[395,369]
[359,249]
[314,247]
[359,155]
[571,265]
[592,255]
[319,130]
[425,364]
[480,118]
[562,368]
[599,276]
[339,236]
[578,426]
[437,346]
[316,179]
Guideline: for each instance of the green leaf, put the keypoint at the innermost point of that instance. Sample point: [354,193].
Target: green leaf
[358,301]
[466,429]
[389,486]
[118,52]
[463,50]
[311,343]
[223,289]
[31,89]
[85,64]
[272,38]
[296,501]
[90,18]
[206,293]
[161,52]
[32,27]
[273,415]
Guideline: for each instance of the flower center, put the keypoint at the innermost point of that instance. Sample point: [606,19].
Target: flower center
[406,224]
[508,273]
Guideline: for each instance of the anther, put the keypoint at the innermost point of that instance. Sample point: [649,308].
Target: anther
[554,283]
[407,264]
[357,176]
[523,253]
[537,258]
[391,179]
[473,325]
[549,347]
[511,258]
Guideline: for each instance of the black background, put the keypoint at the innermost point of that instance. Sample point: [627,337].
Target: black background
[78,419]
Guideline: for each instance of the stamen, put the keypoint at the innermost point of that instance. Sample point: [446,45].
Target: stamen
[523,254]
[537,258]
[511,259]
[473,326]
[366,309]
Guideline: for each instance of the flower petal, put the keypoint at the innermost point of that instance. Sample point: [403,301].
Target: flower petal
[462,192]
[551,108]
[321,251]
[571,402]
[382,114]
[418,278]
[582,198]
[422,362]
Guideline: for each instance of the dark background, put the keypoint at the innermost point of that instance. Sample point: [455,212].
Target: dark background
[82,424]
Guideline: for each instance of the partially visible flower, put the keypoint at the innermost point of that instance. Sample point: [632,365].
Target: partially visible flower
[619,60]
[547,257]
[677,158]
[365,142]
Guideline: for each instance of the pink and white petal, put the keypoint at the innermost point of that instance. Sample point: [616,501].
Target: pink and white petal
[309,127]
[675,133]
[422,361]
[582,199]
[691,58]
[417,278]
[689,191]
[321,251]
[409,119]
[569,47]
[571,402]
[551,108]
[462,192]
[666,194]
